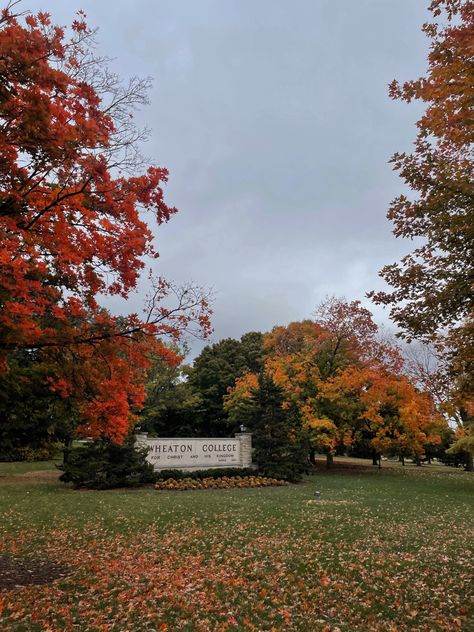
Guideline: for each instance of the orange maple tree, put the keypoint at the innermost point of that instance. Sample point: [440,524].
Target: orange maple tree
[431,293]
[386,407]
[432,286]
[73,206]
[346,383]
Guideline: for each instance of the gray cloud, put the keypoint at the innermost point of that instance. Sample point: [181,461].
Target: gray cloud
[274,121]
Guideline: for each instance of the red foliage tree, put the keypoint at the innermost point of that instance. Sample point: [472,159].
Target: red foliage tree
[72,222]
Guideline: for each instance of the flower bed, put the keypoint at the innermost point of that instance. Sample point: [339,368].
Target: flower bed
[225,482]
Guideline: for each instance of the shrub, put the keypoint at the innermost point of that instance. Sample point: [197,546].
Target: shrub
[44,452]
[103,464]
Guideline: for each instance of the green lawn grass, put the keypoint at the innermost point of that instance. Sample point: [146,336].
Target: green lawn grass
[387,549]
[23,467]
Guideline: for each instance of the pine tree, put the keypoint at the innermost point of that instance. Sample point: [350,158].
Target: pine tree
[281,448]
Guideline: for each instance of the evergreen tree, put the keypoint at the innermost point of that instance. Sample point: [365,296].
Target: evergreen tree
[281,447]
[103,464]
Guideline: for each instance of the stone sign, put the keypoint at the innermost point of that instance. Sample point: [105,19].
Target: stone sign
[172,453]
[198,454]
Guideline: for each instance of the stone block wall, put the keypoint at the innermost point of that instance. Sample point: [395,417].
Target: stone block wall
[245,439]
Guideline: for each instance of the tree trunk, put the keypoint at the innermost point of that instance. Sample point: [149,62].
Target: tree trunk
[329,461]
[418,461]
[312,456]
[402,459]
[375,458]
[469,462]
[67,449]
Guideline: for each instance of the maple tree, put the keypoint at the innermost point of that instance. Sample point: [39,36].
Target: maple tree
[432,295]
[435,281]
[297,358]
[385,406]
[346,383]
[343,336]
[72,223]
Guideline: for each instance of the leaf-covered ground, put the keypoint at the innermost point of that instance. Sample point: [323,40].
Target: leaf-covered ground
[380,550]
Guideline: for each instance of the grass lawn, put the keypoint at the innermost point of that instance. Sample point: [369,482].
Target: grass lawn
[381,550]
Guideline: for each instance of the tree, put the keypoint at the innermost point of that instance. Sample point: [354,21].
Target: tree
[33,421]
[214,371]
[464,446]
[298,358]
[386,409]
[103,464]
[432,292]
[72,209]
[172,405]
[354,336]
[345,382]
[303,357]
[280,444]
[435,281]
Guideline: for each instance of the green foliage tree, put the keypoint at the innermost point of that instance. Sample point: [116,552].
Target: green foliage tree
[440,450]
[463,447]
[172,404]
[34,422]
[215,371]
[281,445]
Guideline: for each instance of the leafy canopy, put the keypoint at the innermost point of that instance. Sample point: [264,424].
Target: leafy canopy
[75,206]
[345,383]
[432,295]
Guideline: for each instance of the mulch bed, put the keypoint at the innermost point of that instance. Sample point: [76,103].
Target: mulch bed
[22,571]
[35,476]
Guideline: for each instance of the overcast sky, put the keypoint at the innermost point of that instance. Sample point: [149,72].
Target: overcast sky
[274,121]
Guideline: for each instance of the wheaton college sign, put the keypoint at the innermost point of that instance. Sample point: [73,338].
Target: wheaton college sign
[197,454]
